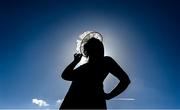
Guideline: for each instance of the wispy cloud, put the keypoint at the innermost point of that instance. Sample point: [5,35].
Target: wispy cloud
[40,103]
[124,99]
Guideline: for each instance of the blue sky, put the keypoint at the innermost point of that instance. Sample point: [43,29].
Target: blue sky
[38,40]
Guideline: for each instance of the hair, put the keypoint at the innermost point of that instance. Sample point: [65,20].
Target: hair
[94,48]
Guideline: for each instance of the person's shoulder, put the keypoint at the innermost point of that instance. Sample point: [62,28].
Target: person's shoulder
[108,59]
[109,62]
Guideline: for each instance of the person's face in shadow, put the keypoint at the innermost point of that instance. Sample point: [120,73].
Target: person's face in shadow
[94,49]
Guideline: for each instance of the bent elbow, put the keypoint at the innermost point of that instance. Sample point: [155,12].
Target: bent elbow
[62,76]
[129,81]
[65,77]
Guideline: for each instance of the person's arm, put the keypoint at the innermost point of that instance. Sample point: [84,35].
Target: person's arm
[69,73]
[118,72]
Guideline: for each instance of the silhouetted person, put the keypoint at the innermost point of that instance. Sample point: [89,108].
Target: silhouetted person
[86,90]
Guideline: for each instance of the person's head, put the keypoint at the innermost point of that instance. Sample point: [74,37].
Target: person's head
[94,49]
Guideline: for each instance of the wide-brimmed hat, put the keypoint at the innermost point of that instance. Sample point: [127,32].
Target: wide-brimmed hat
[84,38]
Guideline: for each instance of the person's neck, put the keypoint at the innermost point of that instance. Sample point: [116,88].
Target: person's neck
[94,60]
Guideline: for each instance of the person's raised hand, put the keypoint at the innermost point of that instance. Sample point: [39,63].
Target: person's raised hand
[77,57]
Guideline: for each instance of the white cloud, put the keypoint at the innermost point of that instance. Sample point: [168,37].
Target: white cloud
[59,101]
[40,103]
